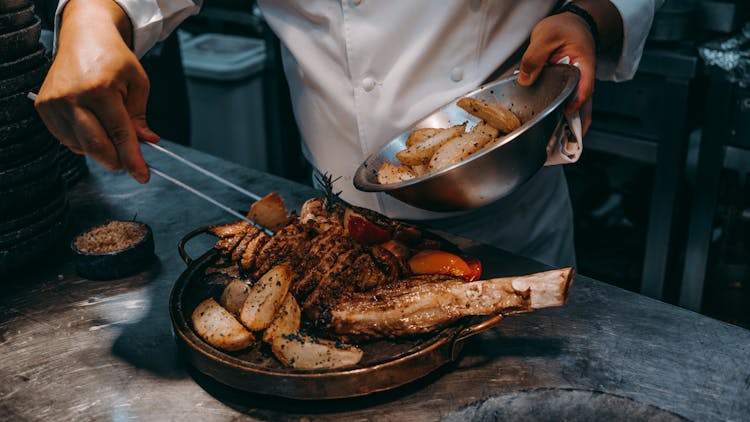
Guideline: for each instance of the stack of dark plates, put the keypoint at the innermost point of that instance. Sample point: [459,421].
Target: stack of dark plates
[33,204]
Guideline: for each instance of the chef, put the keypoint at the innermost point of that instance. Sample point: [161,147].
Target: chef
[360,72]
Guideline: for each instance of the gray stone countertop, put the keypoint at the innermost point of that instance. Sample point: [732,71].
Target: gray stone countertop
[76,349]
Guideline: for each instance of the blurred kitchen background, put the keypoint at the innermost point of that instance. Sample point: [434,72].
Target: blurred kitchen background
[661,194]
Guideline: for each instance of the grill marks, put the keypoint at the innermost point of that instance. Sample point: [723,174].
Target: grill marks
[327,264]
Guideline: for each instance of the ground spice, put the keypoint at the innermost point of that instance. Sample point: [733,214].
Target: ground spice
[111,237]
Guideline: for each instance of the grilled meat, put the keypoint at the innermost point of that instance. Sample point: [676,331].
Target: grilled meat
[287,245]
[427,303]
[354,289]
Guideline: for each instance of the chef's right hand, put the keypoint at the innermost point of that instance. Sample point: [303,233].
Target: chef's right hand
[94,97]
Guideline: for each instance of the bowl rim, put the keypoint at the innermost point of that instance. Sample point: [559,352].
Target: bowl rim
[77,251]
[361,183]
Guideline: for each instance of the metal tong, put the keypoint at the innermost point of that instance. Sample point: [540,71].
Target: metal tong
[32,96]
[199,193]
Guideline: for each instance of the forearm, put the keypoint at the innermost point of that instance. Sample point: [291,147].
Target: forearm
[100,17]
[142,23]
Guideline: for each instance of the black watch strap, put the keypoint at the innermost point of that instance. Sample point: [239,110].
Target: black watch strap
[572,8]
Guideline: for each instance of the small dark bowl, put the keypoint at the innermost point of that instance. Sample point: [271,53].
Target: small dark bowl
[117,264]
[10,21]
[21,41]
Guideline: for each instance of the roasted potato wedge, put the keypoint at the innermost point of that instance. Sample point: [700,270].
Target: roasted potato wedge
[287,320]
[234,296]
[391,173]
[304,352]
[493,113]
[269,212]
[219,328]
[421,152]
[421,135]
[265,297]
[420,169]
[462,146]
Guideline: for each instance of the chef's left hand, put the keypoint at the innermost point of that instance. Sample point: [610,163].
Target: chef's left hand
[567,34]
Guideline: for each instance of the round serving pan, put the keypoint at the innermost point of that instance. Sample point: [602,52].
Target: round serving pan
[44,222]
[24,149]
[9,69]
[16,107]
[12,5]
[23,198]
[21,171]
[493,172]
[19,255]
[18,130]
[54,205]
[21,41]
[25,81]
[385,365]
[10,21]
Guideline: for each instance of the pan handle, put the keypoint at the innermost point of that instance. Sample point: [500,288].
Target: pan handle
[471,331]
[185,239]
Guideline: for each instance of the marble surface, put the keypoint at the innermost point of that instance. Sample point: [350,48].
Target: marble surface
[75,349]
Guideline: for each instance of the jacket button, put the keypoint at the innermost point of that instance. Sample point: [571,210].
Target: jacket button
[368,84]
[457,74]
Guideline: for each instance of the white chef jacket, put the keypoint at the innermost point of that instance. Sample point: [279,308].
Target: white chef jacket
[362,71]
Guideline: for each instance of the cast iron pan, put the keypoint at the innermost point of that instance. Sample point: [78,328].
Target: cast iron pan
[25,81]
[7,240]
[24,149]
[385,365]
[19,172]
[22,41]
[72,176]
[12,5]
[15,67]
[34,248]
[26,197]
[17,131]
[16,107]
[57,203]
[10,21]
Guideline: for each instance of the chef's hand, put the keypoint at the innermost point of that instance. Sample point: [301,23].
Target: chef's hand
[567,34]
[94,97]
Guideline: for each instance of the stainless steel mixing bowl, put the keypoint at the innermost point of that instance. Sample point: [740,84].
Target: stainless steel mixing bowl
[493,172]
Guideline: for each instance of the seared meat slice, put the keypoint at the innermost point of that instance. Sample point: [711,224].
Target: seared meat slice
[229,230]
[227,245]
[324,250]
[367,275]
[394,268]
[250,254]
[287,245]
[421,306]
[250,234]
[330,285]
